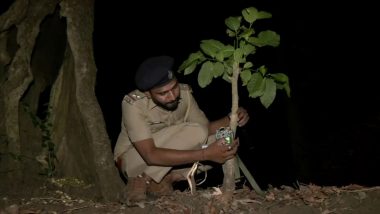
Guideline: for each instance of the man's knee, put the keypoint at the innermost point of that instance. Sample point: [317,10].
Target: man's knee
[197,132]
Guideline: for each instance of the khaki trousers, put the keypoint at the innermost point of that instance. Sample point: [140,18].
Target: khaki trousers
[184,136]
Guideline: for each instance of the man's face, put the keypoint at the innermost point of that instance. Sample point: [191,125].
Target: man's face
[166,96]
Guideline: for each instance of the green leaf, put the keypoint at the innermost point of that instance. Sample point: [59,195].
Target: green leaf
[251,14]
[190,69]
[205,74]
[280,77]
[266,38]
[219,56]
[282,81]
[263,70]
[228,67]
[196,57]
[227,77]
[248,49]
[211,47]
[247,33]
[279,86]
[233,23]
[230,33]
[218,69]
[226,52]
[238,55]
[287,88]
[269,93]
[245,76]
[248,65]
[264,15]
[256,85]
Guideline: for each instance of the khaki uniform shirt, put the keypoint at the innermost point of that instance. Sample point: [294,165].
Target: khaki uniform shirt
[141,117]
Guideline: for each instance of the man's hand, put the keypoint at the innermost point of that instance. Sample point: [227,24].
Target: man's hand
[220,152]
[243,116]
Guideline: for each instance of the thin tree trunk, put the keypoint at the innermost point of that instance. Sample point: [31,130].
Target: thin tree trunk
[229,166]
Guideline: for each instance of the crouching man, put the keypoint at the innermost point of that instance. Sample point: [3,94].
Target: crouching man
[163,131]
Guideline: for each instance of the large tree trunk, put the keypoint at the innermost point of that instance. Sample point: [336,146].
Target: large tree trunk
[47,59]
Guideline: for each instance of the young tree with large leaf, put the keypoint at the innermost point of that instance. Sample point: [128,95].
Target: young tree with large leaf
[231,61]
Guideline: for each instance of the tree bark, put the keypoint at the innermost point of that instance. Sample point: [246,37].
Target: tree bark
[19,75]
[80,14]
[30,68]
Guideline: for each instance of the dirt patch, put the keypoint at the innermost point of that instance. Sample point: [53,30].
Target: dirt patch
[71,197]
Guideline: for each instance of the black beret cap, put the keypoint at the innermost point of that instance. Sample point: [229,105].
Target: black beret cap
[153,72]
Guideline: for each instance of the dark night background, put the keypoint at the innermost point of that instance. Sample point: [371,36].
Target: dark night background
[328,131]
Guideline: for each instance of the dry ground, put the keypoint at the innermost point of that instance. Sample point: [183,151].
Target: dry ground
[55,197]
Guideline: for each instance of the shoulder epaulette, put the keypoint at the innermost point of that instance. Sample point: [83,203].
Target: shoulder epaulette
[185,87]
[134,96]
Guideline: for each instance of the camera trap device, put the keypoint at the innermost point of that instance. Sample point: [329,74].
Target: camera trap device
[226,133]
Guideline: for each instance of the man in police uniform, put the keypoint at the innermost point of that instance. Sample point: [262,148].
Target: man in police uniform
[163,127]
